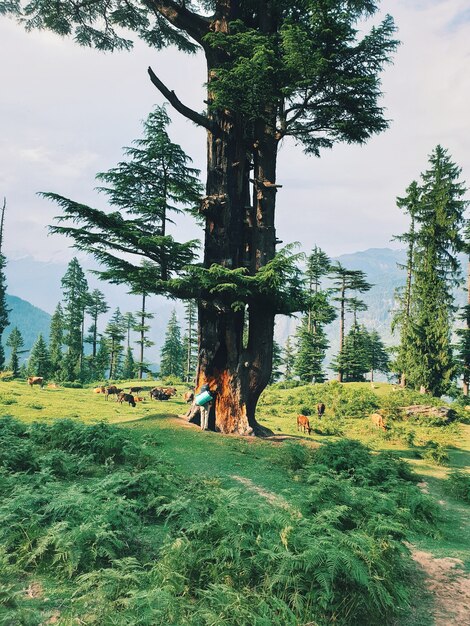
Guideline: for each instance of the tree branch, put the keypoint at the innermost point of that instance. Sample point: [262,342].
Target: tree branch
[194,116]
[179,16]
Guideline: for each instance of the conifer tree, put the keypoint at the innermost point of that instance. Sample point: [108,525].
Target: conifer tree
[378,359]
[190,341]
[95,307]
[39,361]
[345,281]
[288,359]
[312,341]
[75,297]
[171,354]
[439,217]
[115,333]
[56,340]
[298,68]
[141,327]
[3,288]
[463,346]
[277,363]
[353,361]
[101,361]
[128,367]
[402,318]
[15,342]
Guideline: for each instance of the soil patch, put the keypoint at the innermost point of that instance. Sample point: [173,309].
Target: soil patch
[450,587]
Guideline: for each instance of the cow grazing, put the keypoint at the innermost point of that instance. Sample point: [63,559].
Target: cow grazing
[111,391]
[135,389]
[320,409]
[157,393]
[303,424]
[35,380]
[188,396]
[378,421]
[126,397]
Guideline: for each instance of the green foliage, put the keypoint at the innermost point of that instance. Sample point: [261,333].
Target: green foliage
[171,361]
[293,456]
[434,452]
[458,485]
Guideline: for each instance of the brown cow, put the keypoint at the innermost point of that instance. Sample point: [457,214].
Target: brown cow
[135,389]
[169,391]
[35,380]
[158,393]
[320,409]
[378,420]
[99,390]
[303,424]
[138,399]
[126,397]
[188,396]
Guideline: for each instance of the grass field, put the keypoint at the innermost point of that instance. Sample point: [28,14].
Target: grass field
[264,472]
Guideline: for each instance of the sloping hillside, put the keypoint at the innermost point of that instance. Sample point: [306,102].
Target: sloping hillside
[29,319]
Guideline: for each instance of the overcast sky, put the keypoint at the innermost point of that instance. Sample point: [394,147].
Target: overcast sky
[66,112]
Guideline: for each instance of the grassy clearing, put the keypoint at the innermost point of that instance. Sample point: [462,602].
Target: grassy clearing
[201,474]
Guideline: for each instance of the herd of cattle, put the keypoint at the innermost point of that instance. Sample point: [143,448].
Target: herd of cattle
[157,393]
[165,393]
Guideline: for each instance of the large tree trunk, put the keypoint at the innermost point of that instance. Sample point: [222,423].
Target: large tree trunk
[239,233]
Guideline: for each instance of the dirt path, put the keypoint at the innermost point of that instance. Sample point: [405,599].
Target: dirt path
[450,587]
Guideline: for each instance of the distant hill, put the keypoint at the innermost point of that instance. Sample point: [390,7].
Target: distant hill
[30,320]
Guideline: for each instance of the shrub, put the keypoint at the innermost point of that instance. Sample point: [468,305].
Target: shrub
[293,456]
[434,452]
[72,384]
[458,485]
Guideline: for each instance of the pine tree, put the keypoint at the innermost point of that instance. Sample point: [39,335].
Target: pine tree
[378,359]
[101,361]
[463,346]
[311,338]
[353,361]
[346,280]
[190,341]
[288,359]
[142,328]
[115,333]
[300,69]
[15,342]
[3,288]
[75,297]
[277,363]
[128,367]
[171,354]
[56,340]
[439,218]
[39,361]
[95,307]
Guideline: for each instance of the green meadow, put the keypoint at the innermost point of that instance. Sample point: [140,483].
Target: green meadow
[117,515]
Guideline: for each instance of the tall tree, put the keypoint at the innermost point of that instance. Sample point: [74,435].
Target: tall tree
[276,373]
[190,341]
[378,359]
[56,340]
[171,361]
[75,297]
[402,318]
[288,359]
[312,341]
[115,333]
[300,68]
[128,367]
[439,237]
[96,306]
[3,288]
[345,281]
[142,328]
[39,362]
[15,342]
[463,346]
[353,360]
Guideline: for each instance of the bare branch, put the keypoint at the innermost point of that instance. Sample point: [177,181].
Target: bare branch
[194,116]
